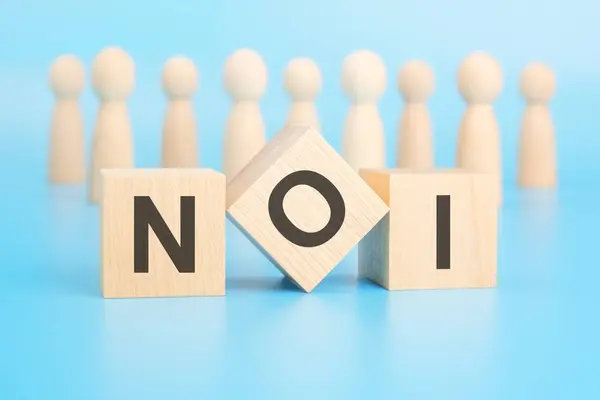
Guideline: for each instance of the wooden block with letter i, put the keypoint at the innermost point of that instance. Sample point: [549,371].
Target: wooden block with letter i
[162,233]
[441,231]
[302,205]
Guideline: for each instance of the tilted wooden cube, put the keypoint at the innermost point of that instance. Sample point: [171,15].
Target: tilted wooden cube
[441,231]
[162,233]
[302,205]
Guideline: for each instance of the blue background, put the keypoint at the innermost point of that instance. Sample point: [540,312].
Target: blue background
[534,336]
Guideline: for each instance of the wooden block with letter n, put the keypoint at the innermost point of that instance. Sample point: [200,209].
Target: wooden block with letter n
[162,233]
[441,231]
[302,205]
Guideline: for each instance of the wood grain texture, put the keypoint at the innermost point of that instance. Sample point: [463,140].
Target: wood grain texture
[401,251]
[165,187]
[295,149]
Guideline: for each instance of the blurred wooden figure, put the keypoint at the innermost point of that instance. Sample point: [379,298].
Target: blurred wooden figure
[537,143]
[480,84]
[245,80]
[113,80]
[179,144]
[364,78]
[303,83]
[415,138]
[66,157]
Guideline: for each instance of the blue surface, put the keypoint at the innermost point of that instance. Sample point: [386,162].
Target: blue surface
[535,336]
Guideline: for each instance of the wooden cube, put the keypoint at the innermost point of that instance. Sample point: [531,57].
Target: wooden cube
[441,231]
[162,233]
[302,205]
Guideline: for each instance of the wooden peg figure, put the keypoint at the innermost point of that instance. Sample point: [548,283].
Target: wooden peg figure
[245,80]
[537,143]
[67,138]
[303,83]
[179,146]
[415,138]
[364,78]
[480,84]
[113,80]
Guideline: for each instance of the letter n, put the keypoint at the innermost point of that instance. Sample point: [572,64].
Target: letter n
[146,215]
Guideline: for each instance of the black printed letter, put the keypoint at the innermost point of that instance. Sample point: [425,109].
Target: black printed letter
[443,232]
[283,224]
[146,215]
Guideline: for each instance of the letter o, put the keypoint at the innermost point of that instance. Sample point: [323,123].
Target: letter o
[290,231]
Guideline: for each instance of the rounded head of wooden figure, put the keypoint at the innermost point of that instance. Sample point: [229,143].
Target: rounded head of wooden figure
[180,78]
[480,79]
[67,77]
[538,83]
[113,74]
[245,75]
[364,77]
[302,79]
[416,81]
